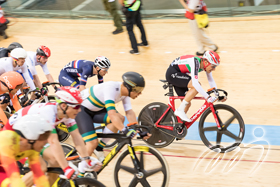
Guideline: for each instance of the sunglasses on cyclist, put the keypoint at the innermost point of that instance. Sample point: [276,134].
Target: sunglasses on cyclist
[76,107]
[137,89]
[104,69]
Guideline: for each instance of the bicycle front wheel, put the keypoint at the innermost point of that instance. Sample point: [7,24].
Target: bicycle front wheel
[231,134]
[154,169]
[149,116]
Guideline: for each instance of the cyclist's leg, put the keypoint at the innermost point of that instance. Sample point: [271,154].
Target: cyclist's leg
[86,128]
[67,80]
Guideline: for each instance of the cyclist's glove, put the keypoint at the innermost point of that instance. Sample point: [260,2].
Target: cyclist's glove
[211,99]
[70,173]
[129,132]
[44,91]
[143,134]
[91,165]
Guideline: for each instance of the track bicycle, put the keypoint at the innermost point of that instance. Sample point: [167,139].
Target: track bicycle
[140,164]
[218,120]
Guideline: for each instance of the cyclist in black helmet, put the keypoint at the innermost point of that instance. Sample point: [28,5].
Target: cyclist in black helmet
[99,107]
[5,52]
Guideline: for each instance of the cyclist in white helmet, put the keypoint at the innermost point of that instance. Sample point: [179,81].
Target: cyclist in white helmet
[26,139]
[84,69]
[183,75]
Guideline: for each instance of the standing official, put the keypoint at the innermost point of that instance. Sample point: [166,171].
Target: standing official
[195,7]
[131,10]
[111,7]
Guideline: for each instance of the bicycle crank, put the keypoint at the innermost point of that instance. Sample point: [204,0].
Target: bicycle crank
[179,131]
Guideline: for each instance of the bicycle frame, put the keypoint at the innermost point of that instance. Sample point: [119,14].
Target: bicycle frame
[171,106]
[122,141]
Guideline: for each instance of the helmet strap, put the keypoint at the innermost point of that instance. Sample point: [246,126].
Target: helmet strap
[64,111]
[205,66]
[32,142]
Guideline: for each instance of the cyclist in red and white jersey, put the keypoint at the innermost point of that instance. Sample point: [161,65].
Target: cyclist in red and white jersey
[183,75]
[65,110]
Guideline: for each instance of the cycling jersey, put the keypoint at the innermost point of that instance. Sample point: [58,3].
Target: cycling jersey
[49,111]
[10,153]
[105,95]
[6,64]
[77,68]
[98,100]
[31,62]
[190,65]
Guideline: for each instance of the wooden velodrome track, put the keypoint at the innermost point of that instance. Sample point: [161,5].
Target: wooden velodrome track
[249,71]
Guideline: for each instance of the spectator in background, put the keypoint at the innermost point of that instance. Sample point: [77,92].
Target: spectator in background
[111,7]
[194,7]
[3,24]
[131,10]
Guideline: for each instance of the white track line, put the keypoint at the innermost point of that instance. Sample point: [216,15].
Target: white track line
[25,4]
[80,6]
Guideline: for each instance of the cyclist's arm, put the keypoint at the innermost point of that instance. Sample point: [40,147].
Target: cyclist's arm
[87,71]
[57,150]
[15,102]
[194,74]
[211,81]
[115,119]
[37,81]
[78,141]
[27,78]
[3,116]
[39,178]
[131,117]
[8,149]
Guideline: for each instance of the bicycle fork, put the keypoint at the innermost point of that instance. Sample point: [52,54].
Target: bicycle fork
[216,117]
[139,174]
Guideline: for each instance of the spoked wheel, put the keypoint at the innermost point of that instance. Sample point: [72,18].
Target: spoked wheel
[149,116]
[62,132]
[83,182]
[232,132]
[154,169]
[69,150]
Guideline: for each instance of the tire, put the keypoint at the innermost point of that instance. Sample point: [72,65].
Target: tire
[68,148]
[227,115]
[148,157]
[84,182]
[62,135]
[149,115]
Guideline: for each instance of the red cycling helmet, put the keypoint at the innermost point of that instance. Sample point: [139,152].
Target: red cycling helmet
[69,95]
[43,51]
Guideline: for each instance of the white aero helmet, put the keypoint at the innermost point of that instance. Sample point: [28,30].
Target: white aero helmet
[212,57]
[102,62]
[32,126]
[18,53]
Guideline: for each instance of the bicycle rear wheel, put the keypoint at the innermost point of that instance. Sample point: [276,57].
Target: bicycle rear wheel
[149,115]
[154,169]
[231,134]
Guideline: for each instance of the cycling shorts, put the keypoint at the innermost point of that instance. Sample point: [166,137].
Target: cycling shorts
[67,80]
[85,120]
[178,79]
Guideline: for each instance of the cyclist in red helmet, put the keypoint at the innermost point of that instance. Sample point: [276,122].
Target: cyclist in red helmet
[64,111]
[40,57]
[183,75]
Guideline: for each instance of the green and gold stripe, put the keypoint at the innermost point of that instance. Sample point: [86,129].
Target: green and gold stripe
[93,99]
[110,105]
[89,136]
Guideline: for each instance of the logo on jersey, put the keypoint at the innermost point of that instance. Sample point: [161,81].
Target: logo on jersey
[196,68]
[72,70]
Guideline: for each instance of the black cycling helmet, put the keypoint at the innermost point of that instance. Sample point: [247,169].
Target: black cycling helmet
[14,45]
[133,81]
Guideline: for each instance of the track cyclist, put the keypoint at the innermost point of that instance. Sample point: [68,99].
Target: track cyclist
[65,110]
[99,107]
[5,52]
[85,69]
[26,139]
[39,58]
[183,74]
[10,83]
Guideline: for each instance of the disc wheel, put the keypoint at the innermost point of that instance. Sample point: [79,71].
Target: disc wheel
[231,134]
[149,115]
[154,169]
